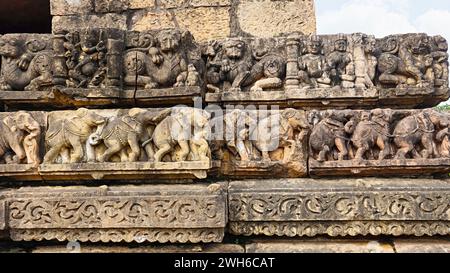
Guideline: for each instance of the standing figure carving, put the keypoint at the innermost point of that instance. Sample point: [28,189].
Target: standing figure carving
[440,61]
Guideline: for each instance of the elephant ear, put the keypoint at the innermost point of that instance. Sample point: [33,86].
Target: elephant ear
[162,115]
[9,122]
[288,113]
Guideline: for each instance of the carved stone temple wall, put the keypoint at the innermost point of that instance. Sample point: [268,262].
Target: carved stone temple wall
[205,19]
[166,122]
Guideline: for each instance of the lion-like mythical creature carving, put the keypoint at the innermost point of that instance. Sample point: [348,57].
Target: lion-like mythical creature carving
[26,64]
[159,62]
[407,63]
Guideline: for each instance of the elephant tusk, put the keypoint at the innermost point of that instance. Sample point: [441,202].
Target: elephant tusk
[145,143]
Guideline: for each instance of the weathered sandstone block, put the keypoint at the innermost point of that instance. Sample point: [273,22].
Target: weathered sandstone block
[345,207]
[267,18]
[76,22]
[176,214]
[71,7]
[318,246]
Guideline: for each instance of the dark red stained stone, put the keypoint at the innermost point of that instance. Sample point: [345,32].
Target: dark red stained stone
[25,16]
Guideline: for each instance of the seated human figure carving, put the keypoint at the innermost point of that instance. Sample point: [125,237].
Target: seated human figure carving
[340,61]
[269,69]
[26,64]
[314,69]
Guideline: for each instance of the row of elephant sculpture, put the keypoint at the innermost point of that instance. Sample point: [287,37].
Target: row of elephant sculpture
[99,58]
[379,134]
[181,134]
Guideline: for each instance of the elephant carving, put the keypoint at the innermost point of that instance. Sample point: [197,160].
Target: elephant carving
[232,132]
[26,65]
[129,131]
[19,139]
[371,131]
[280,132]
[417,129]
[67,137]
[175,130]
[329,133]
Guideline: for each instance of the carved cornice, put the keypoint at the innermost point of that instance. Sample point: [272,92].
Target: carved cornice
[333,228]
[203,235]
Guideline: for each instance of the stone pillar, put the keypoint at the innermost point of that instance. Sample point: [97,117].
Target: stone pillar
[292,52]
[59,61]
[114,62]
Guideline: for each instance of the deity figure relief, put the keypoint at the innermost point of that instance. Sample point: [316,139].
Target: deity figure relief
[314,69]
[86,58]
[340,61]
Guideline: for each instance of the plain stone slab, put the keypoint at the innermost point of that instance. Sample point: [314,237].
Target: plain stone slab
[88,248]
[318,246]
[422,245]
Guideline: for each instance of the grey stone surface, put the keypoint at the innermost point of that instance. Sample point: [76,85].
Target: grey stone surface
[317,246]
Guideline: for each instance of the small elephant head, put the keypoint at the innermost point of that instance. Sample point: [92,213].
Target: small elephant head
[296,119]
[90,117]
[21,121]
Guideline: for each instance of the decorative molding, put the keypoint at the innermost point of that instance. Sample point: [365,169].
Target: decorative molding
[334,228]
[203,235]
